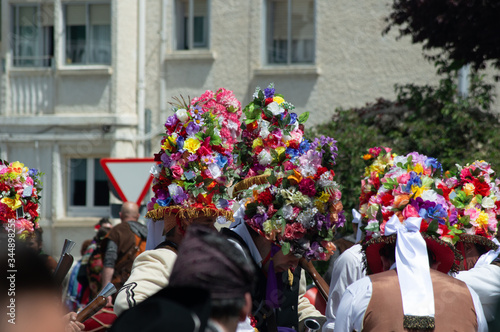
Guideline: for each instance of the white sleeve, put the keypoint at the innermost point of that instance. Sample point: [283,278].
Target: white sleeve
[245,326]
[150,273]
[352,307]
[155,234]
[482,325]
[346,270]
[304,307]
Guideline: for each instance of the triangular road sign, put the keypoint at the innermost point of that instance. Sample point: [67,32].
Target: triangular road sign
[130,177]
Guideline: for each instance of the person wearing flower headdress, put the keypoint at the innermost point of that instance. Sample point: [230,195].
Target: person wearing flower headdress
[475,198]
[289,209]
[195,168]
[408,254]
[348,268]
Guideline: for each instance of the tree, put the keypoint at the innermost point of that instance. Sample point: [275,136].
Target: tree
[462,31]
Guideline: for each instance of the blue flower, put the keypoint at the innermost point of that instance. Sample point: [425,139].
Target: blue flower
[164,202]
[269,92]
[437,213]
[180,142]
[33,172]
[293,118]
[414,180]
[432,162]
[221,160]
[292,152]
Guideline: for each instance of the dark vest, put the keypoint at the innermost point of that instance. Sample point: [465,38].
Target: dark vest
[454,308]
[286,315]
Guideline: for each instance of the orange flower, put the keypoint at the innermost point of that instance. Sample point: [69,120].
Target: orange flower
[401,200]
[367,156]
[295,178]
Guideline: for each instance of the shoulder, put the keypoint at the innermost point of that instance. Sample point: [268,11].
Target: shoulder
[161,255]
[360,286]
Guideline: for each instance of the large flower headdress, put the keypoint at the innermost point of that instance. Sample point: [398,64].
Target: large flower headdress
[299,207]
[272,134]
[196,164]
[474,199]
[20,189]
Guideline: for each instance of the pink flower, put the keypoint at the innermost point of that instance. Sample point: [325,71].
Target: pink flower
[23,225]
[294,231]
[410,211]
[177,171]
[472,213]
[403,179]
[307,187]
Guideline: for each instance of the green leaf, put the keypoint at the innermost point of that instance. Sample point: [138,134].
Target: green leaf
[433,227]
[261,95]
[285,247]
[272,178]
[303,117]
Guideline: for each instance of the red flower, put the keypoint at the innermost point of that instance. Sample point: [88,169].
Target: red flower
[307,187]
[444,230]
[252,126]
[258,150]
[31,208]
[294,232]
[266,198]
[387,199]
[268,101]
[480,231]
[321,170]
[481,187]
[423,226]
[203,151]
[446,191]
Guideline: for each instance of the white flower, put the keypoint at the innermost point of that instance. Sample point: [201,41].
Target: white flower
[287,212]
[264,158]
[275,108]
[173,190]
[488,202]
[256,93]
[261,209]
[214,170]
[155,170]
[182,115]
[264,130]
[429,195]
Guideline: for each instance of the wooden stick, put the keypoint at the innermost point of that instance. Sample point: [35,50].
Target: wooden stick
[322,286]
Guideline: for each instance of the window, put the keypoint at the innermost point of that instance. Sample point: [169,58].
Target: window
[88,33]
[33,35]
[290,31]
[88,187]
[191,24]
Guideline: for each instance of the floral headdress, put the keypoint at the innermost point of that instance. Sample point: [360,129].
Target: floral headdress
[299,207]
[408,189]
[20,189]
[272,135]
[196,164]
[377,160]
[474,198]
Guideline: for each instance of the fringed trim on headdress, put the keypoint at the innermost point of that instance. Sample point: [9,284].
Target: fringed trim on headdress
[419,322]
[247,183]
[164,212]
[392,240]
[478,239]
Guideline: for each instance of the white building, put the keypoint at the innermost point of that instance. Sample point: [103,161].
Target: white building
[83,80]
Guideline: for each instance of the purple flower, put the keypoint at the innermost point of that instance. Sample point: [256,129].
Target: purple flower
[320,220]
[192,157]
[33,172]
[165,158]
[162,194]
[178,199]
[341,221]
[259,219]
[171,121]
[269,92]
[192,128]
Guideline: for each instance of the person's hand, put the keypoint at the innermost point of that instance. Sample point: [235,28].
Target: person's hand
[71,325]
[110,301]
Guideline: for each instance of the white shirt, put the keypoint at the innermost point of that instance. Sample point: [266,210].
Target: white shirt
[485,281]
[347,269]
[354,303]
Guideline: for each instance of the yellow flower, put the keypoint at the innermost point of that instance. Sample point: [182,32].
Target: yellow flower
[279,100]
[320,205]
[192,145]
[295,178]
[469,189]
[417,190]
[325,197]
[280,150]
[257,142]
[14,204]
[482,220]
[169,144]
[17,167]
[418,169]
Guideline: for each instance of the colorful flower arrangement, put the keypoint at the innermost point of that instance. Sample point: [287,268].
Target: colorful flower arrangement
[474,199]
[272,133]
[299,207]
[408,189]
[20,189]
[227,108]
[377,160]
[196,164]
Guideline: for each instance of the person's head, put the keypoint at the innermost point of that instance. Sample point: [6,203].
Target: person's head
[31,293]
[35,240]
[209,261]
[103,227]
[129,212]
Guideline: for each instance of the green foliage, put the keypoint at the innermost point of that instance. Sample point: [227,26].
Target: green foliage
[433,120]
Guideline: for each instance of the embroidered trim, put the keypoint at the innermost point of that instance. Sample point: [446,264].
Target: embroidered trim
[419,322]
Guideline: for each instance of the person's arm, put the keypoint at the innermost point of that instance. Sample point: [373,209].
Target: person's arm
[109,261]
[150,273]
[304,308]
[482,325]
[71,325]
[347,270]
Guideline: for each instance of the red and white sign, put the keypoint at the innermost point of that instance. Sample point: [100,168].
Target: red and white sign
[130,177]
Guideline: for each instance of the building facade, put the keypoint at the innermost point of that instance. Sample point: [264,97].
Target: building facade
[83,80]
